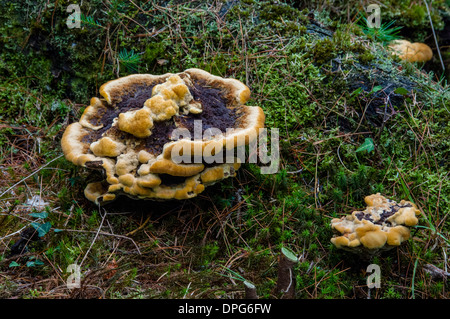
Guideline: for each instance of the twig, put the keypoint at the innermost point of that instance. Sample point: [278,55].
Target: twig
[36,171]
[95,238]
[436,272]
[340,160]
[434,35]
[187,289]
[295,172]
[104,234]
[316,180]
[286,277]
[250,290]
[12,234]
[139,228]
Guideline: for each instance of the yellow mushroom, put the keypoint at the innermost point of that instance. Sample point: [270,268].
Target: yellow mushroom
[107,147]
[412,52]
[131,134]
[384,224]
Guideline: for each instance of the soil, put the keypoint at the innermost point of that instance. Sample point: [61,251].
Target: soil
[215,112]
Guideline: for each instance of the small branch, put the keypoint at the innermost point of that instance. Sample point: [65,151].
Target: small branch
[139,228]
[103,234]
[436,272]
[25,178]
[96,235]
[434,35]
[250,290]
[286,277]
[187,289]
[295,172]
[12,234]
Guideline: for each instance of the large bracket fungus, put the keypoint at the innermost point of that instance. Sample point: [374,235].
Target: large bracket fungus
[163,136]
[384,224]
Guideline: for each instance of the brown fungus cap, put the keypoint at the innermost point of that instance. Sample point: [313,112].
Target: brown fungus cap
[384,224]
[412,52]
[146,130]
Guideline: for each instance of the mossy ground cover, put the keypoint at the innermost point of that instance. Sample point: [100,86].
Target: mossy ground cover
[328,86]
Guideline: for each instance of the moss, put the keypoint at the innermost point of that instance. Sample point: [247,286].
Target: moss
[278,12]
[288,106]
[346,41]
[217,64]
[153,51]
[366,57]
[266,14]
[323,51]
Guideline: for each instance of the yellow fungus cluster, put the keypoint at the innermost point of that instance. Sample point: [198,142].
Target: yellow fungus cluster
[384,224]
[412,52]
[166,101]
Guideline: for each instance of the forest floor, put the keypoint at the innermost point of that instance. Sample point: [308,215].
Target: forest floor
[354,120]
